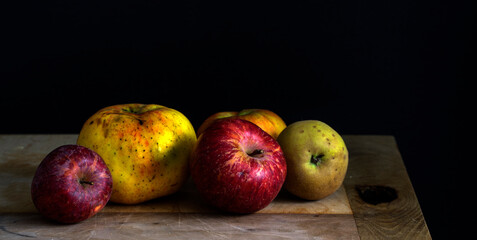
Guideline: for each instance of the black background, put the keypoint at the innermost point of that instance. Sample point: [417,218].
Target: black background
[364,67]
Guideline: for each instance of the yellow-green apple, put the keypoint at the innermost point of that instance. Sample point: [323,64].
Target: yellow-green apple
[267,120]
[146,147]
[237,167]
[71,184]
[317,159]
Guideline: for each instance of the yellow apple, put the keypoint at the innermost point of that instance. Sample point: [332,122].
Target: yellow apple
[267,120]
[146,148]
[317,159]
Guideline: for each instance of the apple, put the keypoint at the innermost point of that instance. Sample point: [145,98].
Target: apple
[237,167]
[71,184]
[267,120]
[317,159]
[146,147]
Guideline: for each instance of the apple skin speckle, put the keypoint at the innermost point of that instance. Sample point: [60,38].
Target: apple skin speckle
[147,148]
[304,142]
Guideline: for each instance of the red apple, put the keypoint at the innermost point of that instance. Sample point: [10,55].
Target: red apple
[71,184]
[238,167]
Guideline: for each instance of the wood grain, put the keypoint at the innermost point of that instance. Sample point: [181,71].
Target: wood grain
[376,161]
[183,226]
[187,200]
[20,155]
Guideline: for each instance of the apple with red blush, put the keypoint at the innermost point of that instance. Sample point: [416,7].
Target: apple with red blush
[267,120]
[71,184]
[237,167]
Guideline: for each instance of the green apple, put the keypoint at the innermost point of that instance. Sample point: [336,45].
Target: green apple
[317,159]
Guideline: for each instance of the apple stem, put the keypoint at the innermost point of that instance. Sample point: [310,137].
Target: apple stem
[256,153]
[86,182]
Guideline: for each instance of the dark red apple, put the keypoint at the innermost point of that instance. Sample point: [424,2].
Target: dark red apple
[71,184]
[238,167]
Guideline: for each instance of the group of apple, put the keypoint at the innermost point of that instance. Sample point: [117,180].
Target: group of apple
[238,161]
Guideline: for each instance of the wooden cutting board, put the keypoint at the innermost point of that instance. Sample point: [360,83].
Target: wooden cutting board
[357,210]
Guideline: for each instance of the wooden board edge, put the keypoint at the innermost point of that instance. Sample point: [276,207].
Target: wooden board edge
[380,192]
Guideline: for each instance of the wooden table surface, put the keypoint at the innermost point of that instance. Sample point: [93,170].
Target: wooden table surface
[376,201]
